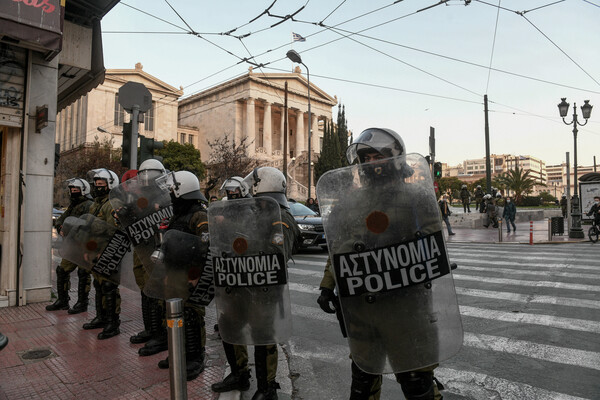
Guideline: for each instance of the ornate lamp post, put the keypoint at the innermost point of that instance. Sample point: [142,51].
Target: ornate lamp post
[586,109]
[295,57]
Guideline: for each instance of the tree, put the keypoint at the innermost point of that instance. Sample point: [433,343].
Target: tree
[228,158]
[182,157]
[342,134]
[76,163]
[451,184]
[330,153]
[519,181]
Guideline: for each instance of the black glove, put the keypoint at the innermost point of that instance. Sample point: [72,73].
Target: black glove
[327,296]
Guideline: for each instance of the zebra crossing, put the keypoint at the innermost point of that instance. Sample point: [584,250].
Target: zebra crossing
[531,318]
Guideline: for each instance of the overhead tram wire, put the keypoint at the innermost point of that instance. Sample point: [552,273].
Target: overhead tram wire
[487,86]
[522,14]
[412,66]
[589,2]
[329,15]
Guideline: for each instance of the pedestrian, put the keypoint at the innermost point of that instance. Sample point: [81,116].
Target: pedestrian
[213,198]
[465,196]
[189,217]
[479,198]
[79,192]
[490,210]
[310,203]
[108,299]
[375,332]
[509,214]
[261,182]
[446,212]
[563,205]
[595,211]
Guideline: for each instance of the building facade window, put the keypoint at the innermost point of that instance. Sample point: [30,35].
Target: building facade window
[182,138]
[191,139]
[149,118]
[119,116]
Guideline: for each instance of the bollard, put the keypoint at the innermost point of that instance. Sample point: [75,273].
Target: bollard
[530,232]
[175,332]
[549,229]
[500,230]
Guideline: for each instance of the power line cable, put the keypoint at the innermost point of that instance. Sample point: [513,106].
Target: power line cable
[334,10]
[493,46]
[589,2]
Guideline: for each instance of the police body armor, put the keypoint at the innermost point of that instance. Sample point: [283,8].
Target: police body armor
[251,290]
[392,273]
[98,247]
[141,208]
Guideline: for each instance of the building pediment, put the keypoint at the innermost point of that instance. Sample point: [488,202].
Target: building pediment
[153,84]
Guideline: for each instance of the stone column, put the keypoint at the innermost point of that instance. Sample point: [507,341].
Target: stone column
[315,133]
[267,132]
[299,133]
[250,128]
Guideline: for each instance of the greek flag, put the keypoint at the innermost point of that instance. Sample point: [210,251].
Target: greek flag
[298,38]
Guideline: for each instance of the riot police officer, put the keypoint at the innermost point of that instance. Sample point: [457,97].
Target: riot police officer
[189,216]
[108,299]
[479,199]
[563,205]
[465,196]
[79,191]
[373,147]
[237,355]
[262,182]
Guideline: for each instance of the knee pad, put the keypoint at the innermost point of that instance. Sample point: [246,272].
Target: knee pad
[108,286]
[364,385]
[417,385]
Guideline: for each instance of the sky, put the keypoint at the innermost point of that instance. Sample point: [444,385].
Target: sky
[407,65]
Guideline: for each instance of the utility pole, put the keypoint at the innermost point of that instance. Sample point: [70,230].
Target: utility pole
[284,115]
[432,150]
[568,193]
[488,166]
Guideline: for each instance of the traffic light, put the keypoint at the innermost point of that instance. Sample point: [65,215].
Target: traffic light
[126,146]
[56,156]
[437,169]
[147,147]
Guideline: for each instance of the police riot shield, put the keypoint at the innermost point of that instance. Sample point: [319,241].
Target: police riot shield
[141,207]
[182,268]
[98,247]
[391,267]
[249,262]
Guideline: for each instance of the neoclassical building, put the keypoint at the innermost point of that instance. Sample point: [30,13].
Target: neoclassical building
[99,114]
[252,106]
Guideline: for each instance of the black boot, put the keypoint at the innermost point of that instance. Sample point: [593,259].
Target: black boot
[99,320]
[62,291]
[82,292]
[194,351]
[144,335]
[111,297]
[236,380]
[266,390]
[364,385]
[158,342]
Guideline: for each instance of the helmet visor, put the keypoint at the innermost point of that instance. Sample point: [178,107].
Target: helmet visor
[373,140]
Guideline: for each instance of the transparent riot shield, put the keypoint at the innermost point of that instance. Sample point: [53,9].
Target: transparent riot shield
[251,291]
[97,247]
[393,277]
[141,207]
[182,268]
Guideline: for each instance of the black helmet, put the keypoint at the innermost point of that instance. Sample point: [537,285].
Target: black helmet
[384,141]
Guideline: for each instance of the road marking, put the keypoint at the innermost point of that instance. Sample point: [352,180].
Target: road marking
[516,282]
[523,298]
[521,263]
[533,319]
[515,271]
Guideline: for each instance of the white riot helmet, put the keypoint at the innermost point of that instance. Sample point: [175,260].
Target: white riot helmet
[185,185]
[150,170]
[233,183]
[111,179]
[478,186]
[384,141]
[487,196]
[268,181]
[82,184]
[464,187]
[498,194]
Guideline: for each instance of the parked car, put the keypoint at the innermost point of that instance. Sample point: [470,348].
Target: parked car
[310,224]
[56,213]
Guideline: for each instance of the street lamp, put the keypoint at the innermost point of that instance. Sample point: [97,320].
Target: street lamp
[101,129]
[586,109]
[295,57]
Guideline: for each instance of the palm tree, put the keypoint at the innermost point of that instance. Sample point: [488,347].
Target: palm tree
[517,180]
